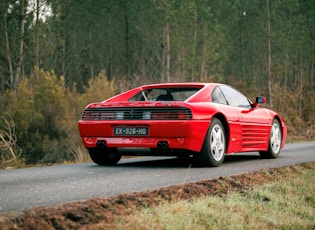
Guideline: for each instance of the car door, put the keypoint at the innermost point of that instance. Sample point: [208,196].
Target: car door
[255,123]
[232,116]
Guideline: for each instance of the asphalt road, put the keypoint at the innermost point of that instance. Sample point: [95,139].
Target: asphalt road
[22,189]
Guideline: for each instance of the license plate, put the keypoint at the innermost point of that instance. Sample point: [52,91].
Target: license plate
[131,131]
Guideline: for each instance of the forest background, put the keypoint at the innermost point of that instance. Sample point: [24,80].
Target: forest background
[56,56]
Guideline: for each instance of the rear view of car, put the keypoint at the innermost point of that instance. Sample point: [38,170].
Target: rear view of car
[153,121]
[203,120]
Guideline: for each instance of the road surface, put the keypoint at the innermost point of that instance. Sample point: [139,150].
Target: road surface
[22,189]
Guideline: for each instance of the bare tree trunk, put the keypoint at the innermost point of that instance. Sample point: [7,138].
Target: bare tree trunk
[63,42]
[168,53]
[301,84]
[269,54]
[296,70]
[90,51]
[286,65]
[90,37]
[21,52]
[241,42]
[63,58]
[193,77]
[37,34]
[203,74]
[127,37]
[286,70]
[163,75]
[110,50]
[7,46]
[312,77]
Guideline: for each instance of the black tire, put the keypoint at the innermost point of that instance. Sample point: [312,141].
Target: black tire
[104,156]
[214,146]
[274,145]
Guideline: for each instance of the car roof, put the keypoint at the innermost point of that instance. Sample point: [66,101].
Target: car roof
[179,84]
[202,95]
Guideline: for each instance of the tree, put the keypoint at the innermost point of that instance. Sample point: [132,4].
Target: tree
[4,8]
[269,53]
[14,56]
[20,60]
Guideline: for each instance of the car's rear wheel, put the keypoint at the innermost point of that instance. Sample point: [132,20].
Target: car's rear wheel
[274,145]
[214,147]
[104,156]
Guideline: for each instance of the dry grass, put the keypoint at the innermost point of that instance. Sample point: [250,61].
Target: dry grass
[282,204]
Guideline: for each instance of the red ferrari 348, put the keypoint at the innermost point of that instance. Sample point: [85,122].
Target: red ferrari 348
[202,120]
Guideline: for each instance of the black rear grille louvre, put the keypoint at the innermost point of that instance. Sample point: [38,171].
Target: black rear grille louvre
[177,113]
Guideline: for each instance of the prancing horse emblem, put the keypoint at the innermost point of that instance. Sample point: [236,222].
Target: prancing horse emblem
[131,113]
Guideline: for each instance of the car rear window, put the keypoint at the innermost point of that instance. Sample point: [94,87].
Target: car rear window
[165,94]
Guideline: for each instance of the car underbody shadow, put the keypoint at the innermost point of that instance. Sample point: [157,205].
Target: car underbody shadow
[239,157]
[179,162]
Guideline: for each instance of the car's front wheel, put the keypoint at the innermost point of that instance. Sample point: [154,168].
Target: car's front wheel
[275,139]
[214,147]
[104,157]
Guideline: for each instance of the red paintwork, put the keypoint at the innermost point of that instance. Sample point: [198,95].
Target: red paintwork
[248,129]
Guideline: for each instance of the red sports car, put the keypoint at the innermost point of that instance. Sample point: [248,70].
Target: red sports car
[203,120]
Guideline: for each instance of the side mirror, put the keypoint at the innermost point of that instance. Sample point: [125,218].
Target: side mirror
[259,100]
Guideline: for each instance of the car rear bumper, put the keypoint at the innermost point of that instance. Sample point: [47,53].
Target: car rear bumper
[187,135]
[152,143]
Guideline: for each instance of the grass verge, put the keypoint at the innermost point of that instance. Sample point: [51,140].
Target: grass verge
[287,204]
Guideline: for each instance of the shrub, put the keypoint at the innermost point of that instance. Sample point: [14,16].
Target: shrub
[46,112]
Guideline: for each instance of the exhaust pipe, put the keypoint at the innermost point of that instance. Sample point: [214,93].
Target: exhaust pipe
[101,144]
[162,145]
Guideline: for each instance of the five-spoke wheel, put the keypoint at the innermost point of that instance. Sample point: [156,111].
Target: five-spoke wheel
[214,146]
[275,139]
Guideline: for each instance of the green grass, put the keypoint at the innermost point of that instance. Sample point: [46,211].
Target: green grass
[285,204]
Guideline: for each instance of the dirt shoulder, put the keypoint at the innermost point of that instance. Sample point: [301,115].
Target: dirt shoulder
[79,215]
